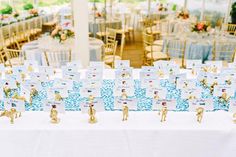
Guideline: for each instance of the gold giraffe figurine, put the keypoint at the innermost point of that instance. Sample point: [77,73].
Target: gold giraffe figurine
[125,111]
[12,114]
[54,115]
[163,113]
[200,111]
[92,112]
[234,118]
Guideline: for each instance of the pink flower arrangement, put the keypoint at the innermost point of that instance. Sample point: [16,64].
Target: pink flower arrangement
[200,27]
[62,35]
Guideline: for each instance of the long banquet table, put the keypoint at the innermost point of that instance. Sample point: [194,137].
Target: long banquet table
[143,134]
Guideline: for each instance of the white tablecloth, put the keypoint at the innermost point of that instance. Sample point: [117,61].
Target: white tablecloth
[34,50]
[141,136]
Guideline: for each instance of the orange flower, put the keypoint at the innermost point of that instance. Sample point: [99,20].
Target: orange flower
[200,26]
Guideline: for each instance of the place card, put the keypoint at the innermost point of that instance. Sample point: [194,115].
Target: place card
[207,104]
[18,105]
[93,75]
[58,105]
[66,69]
[124,73]
[48,70]
[202,75]
[215,78]
[156,93]
[10,83]
[174,78]
[190,64]
[122,64]
[215,64]
[124,83]
[37,76]
[150,83]
[89,91]
[76,64]
[92,84]
[31,65]
[130,102]
[232,106]
[232,65]
[17,78]
[158,104]
[25,93]
[186,83]
[119,91]
[219,90]
[51,92]
[98,105]
[191,93]
[74,76]
[29,84]
[172,70]
[149,69]
[147,75]
[98,65]
[19,69]
[162,64]
[62,83]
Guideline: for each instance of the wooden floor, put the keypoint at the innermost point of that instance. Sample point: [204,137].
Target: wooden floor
[133,51]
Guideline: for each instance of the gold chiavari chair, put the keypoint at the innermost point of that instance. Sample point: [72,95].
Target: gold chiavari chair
[101,34]
[152,52]
[6,36]
[12,57]
[111,35]
[57,58]
[110,57]
[176,50]
[230,28]
[224,50]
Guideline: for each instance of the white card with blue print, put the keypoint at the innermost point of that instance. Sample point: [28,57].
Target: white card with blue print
[29,84]
[215,78]
[122,64]
[162,64]
[232,106]
[171,70]
[174,78]
[228,71]
[48,70]
[98,65]
[186,83]
[158,104]
[2,68]
[149,69]
[51,92]
[207,104]
[148,75]
[124,73]
[41,77]
[219,90]
[88,91]
[19,69]
[58,105]
[98,105]
[31,65]
[93,75]
[66,69]
[14,78]
[150,83]
[130,102]
[92,84]
[232,65]
[157,93]
[19,105]
[202,75]
[10,83]
[62,83]
[25,93]
[119,91]
[191,93]
[129,83]
[190,64]
[76,64]
[215,64]
[74,76]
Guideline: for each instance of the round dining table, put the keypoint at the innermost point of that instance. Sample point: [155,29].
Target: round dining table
[35,50]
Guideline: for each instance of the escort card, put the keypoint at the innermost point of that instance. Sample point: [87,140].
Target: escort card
[88,91]
[130,102]
[119,91]
[186,83]
[74,76]
[171,70]
[59,106]
[10,83]
[215,64]
[76,64]
[149,69]
[191,93]
[19,105]
[98,105]
[174,78]
[156,93]
[150,83]
[220,90]
[232,106]
[122,64]
[51,92]
[124,83]
[48,70]
[29,84]
[19,69]
[61,83]
[25,93]
[147,75]
[158,104]
[93,75]
[124,73]
[162,64]
[207,104]
[92,84]
[41,77]
[190,64]
[31,65]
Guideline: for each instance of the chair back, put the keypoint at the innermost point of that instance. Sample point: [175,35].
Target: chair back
[230,28]
[7,55]
[224,50]
[111,35]
[57,58]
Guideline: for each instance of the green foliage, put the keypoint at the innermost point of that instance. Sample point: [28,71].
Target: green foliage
[233,10]
[28,6]
[7,10]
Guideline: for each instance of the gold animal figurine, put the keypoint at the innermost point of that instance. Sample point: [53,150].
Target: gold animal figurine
[92,112]
[91,99]
[234,118]
[160,73]
[54,115]
[7,91]
[58,97]
[224,97]
[8,72]
[30,68]
[213,86]
[18,97]
[204,82]
[12,114]
[125,111]
[199,114]
[33,93]
[191,97]
[163,113]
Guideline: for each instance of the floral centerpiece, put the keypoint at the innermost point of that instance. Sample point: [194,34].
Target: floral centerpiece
[7,9]
[183,14]
[31,10]
[161,7]
[62,35]
[200,27]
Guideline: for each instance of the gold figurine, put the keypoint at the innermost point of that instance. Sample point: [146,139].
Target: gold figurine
[125,111]
[54,115]
[234,118]
[33,92]
[204,82]
[224,97]
[213,86]
[199,114]
[160,73]
[92,112]
[123,94]
[18,97]
[163,113]
[58,97]
[7,91]
[12,114]
[91,99]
